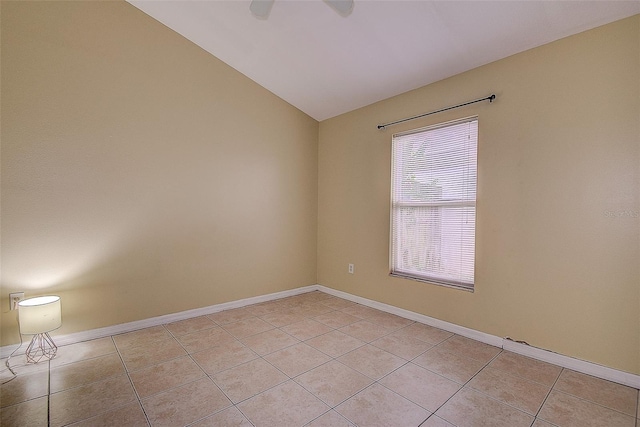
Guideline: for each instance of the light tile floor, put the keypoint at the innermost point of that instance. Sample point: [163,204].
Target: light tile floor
[308,360]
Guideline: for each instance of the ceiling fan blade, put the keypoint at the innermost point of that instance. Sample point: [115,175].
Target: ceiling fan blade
[343,7]
[261,8]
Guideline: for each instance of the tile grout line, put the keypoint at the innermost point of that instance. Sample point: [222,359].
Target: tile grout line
[593,403]
[515,375]
[332,358]
[333,408]
[374,381]
[206,375]
[548,394]
[189,382]
[289,378]
[467,382]
[49,392]
[262,357]
[126,370]
[98,380]
[583,399]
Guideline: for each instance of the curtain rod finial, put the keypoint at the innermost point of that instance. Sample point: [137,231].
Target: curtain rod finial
[492,97]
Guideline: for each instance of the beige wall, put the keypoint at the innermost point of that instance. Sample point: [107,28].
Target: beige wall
[558,151]
[140,175]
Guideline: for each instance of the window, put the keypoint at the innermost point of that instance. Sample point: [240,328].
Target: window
[433,203]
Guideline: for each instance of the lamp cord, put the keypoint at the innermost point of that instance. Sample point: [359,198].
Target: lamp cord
[15,375]
[9,366]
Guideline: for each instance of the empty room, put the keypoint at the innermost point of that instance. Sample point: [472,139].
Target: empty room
[320,213]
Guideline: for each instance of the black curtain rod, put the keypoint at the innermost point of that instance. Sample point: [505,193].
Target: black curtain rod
[489,98]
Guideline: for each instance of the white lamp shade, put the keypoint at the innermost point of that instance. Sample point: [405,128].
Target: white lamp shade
[40,314]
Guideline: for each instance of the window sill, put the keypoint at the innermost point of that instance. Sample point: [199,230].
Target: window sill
[459,287]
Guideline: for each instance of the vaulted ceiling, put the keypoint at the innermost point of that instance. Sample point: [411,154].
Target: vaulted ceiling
[326,64]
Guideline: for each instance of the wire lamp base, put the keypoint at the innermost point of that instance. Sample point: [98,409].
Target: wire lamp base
[41,347]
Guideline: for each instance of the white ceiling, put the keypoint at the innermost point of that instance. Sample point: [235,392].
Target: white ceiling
[325,64]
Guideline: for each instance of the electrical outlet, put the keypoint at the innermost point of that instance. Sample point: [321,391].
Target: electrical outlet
[350,268]
[14,299]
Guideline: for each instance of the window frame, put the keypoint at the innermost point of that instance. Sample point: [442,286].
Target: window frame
[451,283]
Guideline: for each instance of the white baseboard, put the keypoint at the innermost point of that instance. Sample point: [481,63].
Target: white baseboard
[578,365]
[574,364]
[589,368]
[451,327]
[93,334]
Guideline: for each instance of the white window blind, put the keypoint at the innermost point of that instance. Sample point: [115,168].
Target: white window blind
[433,213]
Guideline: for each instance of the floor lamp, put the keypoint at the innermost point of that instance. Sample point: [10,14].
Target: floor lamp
[38,316]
